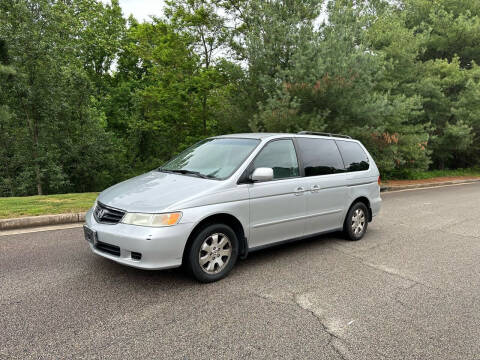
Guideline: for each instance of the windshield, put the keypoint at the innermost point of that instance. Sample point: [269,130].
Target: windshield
[215,158]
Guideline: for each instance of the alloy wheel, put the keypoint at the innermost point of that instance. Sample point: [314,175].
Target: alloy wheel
[358,222]
[215,253]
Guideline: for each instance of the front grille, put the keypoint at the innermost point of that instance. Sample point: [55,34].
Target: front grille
[107,215]
[108,248]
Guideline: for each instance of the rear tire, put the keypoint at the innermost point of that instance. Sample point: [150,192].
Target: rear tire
[213,253]
[356,222]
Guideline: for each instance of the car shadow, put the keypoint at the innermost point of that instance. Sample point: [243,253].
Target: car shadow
[108,270]
[277,251]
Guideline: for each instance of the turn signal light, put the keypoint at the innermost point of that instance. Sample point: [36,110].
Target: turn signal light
[171,219]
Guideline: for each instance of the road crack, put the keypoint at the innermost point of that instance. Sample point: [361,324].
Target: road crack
[337,343]
[300,300]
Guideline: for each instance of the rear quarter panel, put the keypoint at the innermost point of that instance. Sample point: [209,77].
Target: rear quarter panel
[365,184]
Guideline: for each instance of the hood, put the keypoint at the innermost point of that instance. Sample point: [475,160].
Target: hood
[155,191]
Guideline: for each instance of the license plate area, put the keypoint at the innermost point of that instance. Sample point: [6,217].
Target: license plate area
[90,235]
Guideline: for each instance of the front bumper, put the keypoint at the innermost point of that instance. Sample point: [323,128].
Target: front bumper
[160,248]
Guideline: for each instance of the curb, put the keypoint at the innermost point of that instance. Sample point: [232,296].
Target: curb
[426,185]
[42,220]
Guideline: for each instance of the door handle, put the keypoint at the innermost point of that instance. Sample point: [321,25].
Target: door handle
[315,188]
[299,190]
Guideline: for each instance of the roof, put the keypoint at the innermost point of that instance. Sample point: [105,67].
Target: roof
[251,135]
[274,135]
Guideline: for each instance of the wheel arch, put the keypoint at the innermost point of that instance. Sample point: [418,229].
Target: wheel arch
[220,218]
[364,200]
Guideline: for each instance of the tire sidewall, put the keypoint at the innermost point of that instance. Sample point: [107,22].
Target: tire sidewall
[348,227]
[194,250]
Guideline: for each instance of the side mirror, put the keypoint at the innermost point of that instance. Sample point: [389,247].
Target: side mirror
[262,174]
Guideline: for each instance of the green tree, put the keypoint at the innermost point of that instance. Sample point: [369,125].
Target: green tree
[423,65]
[332,81]
[156,90]
[275,35]
[451,28]
[6,133]
[52,117]
[172,85]
[91,98]
[208,36]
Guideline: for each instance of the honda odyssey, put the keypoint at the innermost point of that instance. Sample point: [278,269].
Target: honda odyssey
[229,195]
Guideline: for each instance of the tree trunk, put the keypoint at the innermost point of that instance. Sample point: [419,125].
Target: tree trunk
[204,114]
[207,65]
[441,164]
[33,125]
[38,179]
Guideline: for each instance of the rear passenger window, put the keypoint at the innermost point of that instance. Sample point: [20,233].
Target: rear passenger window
[320,156]
[353,156]
[279,155]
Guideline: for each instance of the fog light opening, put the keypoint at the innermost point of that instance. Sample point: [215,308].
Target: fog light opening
[136,255]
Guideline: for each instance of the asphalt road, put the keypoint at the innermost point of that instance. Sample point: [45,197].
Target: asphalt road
[409,290]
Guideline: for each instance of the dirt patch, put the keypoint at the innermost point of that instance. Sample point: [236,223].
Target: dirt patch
[393,183]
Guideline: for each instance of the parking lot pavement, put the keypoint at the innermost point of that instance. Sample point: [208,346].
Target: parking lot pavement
[409,290]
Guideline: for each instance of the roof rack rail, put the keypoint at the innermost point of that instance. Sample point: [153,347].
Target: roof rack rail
[323,134]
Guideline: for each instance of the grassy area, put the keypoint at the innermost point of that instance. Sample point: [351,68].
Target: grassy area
[418,175]
[12,207]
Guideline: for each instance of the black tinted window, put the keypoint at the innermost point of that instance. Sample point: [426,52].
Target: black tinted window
[279,155]
[353,155]
[320,156]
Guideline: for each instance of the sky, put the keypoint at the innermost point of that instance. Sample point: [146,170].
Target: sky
[141,9]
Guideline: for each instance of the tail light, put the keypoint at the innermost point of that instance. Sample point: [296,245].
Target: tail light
[379,180]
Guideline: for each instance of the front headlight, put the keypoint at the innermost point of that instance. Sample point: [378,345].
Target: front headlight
[153,220]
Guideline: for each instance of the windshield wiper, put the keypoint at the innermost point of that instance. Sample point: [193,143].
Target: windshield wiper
[188,172]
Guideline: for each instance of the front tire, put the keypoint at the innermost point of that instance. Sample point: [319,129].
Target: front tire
[356,222]
[213,253]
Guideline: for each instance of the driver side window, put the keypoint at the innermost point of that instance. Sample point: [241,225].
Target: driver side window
[279,155]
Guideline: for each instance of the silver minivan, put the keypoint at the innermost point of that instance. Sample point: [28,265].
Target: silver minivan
[229,195]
